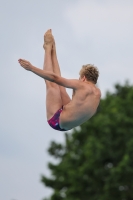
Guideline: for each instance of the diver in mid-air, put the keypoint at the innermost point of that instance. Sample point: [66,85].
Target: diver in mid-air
[64,113]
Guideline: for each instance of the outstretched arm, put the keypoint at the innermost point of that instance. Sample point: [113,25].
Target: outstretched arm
[47,75]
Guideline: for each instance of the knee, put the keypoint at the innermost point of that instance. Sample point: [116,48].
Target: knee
[50,85]
[54,85]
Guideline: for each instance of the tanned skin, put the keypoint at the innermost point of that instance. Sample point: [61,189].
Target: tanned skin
[85,98]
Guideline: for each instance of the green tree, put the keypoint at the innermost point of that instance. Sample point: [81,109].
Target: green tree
[96,162]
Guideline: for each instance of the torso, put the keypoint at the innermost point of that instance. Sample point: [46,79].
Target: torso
[82,107]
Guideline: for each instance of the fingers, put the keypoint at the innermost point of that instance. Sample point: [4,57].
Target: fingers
[23,62]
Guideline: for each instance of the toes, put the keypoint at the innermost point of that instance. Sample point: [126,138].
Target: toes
[49,31]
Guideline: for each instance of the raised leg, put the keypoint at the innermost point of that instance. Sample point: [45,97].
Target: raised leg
[53,96]
[64,96]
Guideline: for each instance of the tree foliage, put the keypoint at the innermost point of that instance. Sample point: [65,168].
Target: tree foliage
[96,162]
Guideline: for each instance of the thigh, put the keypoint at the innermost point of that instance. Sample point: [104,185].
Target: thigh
[64,96]
[53,99]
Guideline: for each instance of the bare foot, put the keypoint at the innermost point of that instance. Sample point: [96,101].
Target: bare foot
[48,40]
[53,46]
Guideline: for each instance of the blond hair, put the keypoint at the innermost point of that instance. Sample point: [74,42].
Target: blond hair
[90,72]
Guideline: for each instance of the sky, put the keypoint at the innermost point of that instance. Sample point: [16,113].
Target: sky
[86,31]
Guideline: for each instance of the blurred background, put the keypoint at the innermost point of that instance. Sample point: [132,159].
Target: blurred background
[85,31]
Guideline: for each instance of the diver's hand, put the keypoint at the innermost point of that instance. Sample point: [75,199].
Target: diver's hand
[25,64]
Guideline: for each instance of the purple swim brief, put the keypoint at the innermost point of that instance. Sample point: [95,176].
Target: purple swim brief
[54,121]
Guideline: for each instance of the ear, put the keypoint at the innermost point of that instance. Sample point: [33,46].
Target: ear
[84,78]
